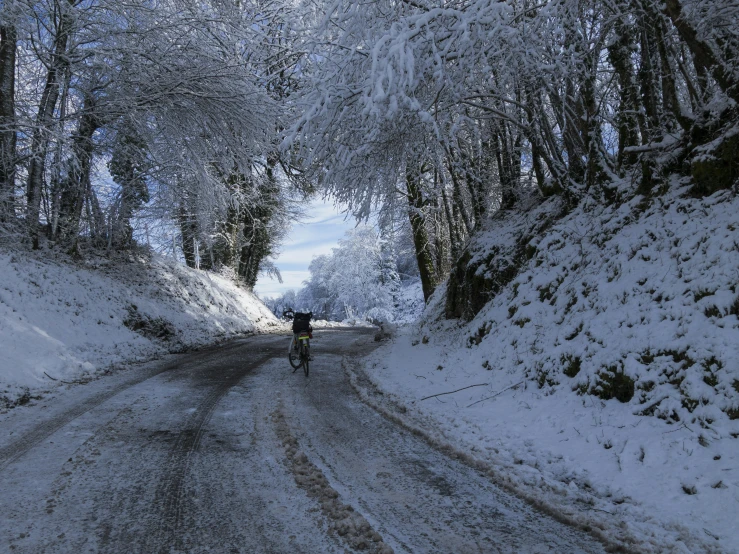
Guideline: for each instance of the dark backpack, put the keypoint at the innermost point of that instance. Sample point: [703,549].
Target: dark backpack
[301,322]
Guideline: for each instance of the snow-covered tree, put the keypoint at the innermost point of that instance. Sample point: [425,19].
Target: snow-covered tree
[457,109]
[359,279]
[194,85]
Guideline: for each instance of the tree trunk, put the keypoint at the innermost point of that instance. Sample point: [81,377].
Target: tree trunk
[629,117]
[256,249]
[544,145]
[469,163]
[452,224]
[457,196]
[420,235]
[648,83]
[75,188]
[257,235]
[597,167]
[42,132]
[672,108]
[702,52]
[235,216]
[225,249]
[229,255]
[508,154]
[442,235]
[655,24]
[573,114]
[188,230]
[8,136]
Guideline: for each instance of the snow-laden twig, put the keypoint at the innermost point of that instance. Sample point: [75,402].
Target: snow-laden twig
[645,411]
[452,392]
[681,427]
[496,394]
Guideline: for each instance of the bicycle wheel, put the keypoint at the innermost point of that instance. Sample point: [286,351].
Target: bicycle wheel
[294,357]
[306,360]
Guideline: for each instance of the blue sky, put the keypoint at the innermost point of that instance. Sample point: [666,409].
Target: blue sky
[317,234]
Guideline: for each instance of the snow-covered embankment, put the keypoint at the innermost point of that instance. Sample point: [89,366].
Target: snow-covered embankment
[603,379]
[63,321]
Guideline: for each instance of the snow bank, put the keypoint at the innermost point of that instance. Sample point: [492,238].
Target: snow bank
[604,377]
[61,321]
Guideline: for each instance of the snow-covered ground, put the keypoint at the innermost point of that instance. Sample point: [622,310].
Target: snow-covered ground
[62,320]
[603,380]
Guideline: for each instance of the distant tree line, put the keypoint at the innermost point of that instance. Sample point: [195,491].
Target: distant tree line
[362,278]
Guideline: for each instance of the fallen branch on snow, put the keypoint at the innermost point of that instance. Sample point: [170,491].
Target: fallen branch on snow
[450,392]
[497,393]
[649,409]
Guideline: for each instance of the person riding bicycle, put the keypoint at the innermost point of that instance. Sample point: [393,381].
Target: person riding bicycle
[301,324]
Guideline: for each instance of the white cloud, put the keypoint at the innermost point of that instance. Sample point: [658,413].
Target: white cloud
[316,235]
[304,254]
[290,280]
[325,212]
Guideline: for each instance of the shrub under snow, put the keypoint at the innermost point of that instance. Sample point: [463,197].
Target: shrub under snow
[637,302]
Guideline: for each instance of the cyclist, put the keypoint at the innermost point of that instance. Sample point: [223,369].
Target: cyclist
[301,323]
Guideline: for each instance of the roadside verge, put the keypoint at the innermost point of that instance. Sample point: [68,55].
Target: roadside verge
[622,526]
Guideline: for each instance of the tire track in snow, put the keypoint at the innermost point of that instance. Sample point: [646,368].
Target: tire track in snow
[169,505]
[16,449]
[344,520]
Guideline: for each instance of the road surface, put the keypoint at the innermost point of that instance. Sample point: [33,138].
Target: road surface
[226,450]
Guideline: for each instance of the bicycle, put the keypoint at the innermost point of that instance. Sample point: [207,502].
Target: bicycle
[299,352]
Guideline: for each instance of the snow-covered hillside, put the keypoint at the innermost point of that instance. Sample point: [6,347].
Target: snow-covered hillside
[602,380]
[63,321]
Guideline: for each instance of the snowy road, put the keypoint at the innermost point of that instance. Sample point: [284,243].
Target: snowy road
[226,450]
